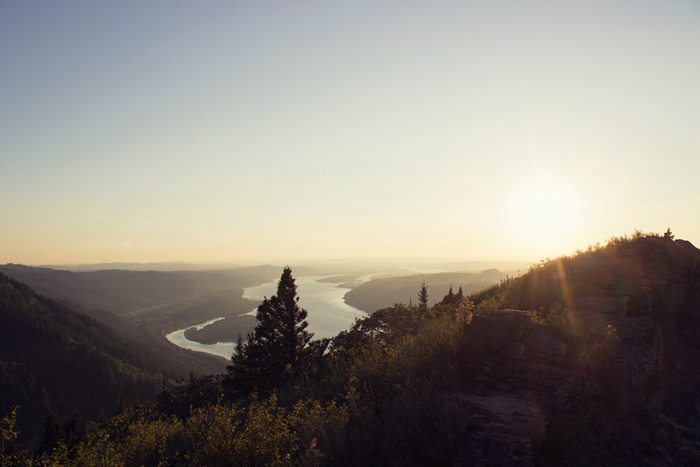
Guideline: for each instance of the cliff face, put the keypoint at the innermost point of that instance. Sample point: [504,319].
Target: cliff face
[603,367]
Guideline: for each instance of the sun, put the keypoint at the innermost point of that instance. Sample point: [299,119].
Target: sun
[544,210]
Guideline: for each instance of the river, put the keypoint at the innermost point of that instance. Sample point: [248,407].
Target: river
[222,349]
[328,312]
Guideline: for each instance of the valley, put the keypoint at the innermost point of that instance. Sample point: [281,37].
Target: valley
[204,312]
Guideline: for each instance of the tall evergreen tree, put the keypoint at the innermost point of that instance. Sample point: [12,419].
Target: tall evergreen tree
[460,295]
[423,298]
[277,347]
[449,298]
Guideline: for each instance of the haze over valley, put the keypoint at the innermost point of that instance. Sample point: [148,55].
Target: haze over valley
[178,303]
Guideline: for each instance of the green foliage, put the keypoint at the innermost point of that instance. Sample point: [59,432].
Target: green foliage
[562,279]
[277,348]
[556,317]
[626,283]
[464,311]
[449,298]
[384,327]
[199,391]
[56,362]
[262,432]
[8,435]
[423,298]
[378,394]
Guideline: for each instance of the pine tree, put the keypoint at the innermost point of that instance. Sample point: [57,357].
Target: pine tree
[423,298]
[278,346]
[460,295]
[449,298]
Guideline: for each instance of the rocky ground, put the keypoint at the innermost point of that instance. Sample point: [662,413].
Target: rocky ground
[613,378]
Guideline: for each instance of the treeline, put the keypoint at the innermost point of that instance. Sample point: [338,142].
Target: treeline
[376,393]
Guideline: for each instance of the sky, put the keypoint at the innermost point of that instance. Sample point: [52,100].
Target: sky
[219,131]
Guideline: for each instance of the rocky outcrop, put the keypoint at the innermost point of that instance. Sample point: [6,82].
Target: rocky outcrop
[518,375]
[612,377]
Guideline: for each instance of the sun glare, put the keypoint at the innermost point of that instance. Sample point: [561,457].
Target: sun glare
[544,210]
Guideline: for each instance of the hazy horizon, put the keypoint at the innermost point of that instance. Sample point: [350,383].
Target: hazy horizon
[241,132]
[325,267]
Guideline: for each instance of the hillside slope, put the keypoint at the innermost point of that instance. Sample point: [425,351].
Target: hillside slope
[598,353]
[56,361]
[143,306]
[113,290]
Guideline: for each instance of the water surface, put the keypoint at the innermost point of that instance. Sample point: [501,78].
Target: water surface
[328,314]
[222,349]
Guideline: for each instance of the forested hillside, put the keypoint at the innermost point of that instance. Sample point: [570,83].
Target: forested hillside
[143,306]
[57,362]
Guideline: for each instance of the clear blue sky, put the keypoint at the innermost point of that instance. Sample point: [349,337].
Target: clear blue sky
[245,131]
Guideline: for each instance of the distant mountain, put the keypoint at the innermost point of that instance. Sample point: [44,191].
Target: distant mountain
[475,266]
[170,266]
[112,290]
[122,291]
[383,292]
[160,266]
[56,361]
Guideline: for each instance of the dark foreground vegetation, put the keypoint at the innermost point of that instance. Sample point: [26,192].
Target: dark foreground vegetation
[585,360]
